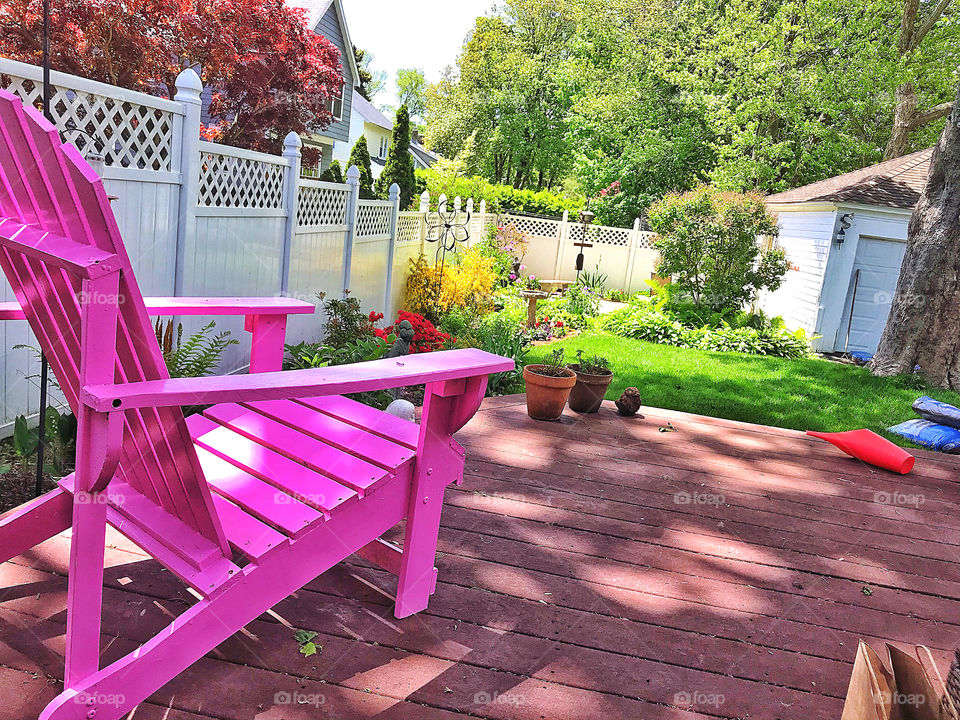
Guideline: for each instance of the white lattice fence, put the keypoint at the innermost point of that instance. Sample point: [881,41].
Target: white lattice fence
[373,218]
[408,227]
[129,129]
[234,178]
[535,227]
[322,204]
[601,235]
[645,240]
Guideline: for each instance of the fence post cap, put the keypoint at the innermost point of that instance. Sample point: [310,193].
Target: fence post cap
[353,174]
[189,86]
[394,192]
[425,195]
[292,142]
[566,215]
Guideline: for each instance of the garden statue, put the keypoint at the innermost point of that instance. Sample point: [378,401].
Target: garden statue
[401,346]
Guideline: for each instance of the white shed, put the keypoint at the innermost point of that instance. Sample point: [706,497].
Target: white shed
[845,238]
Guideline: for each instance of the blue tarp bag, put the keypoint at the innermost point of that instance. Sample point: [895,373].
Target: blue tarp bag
[937,412]
[929,434]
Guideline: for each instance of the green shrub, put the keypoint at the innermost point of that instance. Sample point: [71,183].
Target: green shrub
[501,336]
[500,198]
[333,174]
[399,165]
[708,243]
[753,334]
[360,157]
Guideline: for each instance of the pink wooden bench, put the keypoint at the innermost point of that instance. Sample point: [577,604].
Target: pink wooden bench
[278,481]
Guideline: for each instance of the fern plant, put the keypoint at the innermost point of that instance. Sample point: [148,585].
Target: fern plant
[198,356]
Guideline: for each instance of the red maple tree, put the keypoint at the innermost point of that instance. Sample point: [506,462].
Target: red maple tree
[268,72]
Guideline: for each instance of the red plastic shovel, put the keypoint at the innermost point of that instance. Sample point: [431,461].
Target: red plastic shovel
[866,445]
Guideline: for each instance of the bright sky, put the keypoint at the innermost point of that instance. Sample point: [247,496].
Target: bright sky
[424,34]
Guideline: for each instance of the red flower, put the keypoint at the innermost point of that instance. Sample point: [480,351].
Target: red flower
[426,337]
[559,323]
[374,316]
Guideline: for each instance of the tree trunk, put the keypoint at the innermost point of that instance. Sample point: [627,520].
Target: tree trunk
[923,330]
[903,118]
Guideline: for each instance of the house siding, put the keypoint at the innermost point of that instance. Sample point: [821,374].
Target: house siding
[806,238]
[329,27]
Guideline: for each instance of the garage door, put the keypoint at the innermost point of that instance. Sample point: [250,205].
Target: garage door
[879,264]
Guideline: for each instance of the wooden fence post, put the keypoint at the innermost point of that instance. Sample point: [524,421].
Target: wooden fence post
[483,216]
[353,199]
[563,233]
[388,309]
[632,255]
[291,194]
[189,88]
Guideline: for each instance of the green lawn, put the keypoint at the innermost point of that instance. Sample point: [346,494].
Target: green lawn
[810,394]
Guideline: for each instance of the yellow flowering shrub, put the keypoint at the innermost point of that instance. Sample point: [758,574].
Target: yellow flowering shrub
[467,283]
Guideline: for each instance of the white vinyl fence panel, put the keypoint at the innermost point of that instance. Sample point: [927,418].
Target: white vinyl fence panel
[626,256]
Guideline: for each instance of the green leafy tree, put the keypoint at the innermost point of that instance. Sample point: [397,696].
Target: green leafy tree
[709,242]
[641,98]
[399,164]
[371,82]
[360,156]
[412,91]
[507,90]
[333,174]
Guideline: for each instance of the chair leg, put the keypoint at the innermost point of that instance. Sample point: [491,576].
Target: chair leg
[85,589]
[35,521]
[417,579]
[438,464]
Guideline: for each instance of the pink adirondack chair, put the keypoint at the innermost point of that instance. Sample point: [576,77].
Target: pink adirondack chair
[277,482]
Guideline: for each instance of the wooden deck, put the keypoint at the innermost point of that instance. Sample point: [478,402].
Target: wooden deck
[591,568]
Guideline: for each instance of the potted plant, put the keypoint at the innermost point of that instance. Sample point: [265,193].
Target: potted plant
[593,378]
[548,387]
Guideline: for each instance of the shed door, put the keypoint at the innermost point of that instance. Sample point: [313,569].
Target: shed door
[879,264]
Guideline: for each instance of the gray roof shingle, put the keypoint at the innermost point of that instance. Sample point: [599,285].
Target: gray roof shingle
[893,183]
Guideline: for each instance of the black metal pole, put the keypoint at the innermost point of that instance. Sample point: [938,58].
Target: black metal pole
[47,93]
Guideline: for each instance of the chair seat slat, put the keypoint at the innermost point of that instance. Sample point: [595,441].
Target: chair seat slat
[245,533]
[333,462]
[297,480]
[258,498]
[363,416]
[357,441]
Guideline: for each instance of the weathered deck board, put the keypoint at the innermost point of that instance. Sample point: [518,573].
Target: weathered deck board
[572,585]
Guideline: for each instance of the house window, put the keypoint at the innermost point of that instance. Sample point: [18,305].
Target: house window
[335,104]
[384,146]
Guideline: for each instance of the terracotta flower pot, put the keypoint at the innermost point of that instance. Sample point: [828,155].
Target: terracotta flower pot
[546,395]
[587,394]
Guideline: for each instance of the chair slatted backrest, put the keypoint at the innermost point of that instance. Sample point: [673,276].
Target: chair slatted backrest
[48,190]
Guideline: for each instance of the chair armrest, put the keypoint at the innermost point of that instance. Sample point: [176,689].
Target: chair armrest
[249,306]
[266,320]
[360,377]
